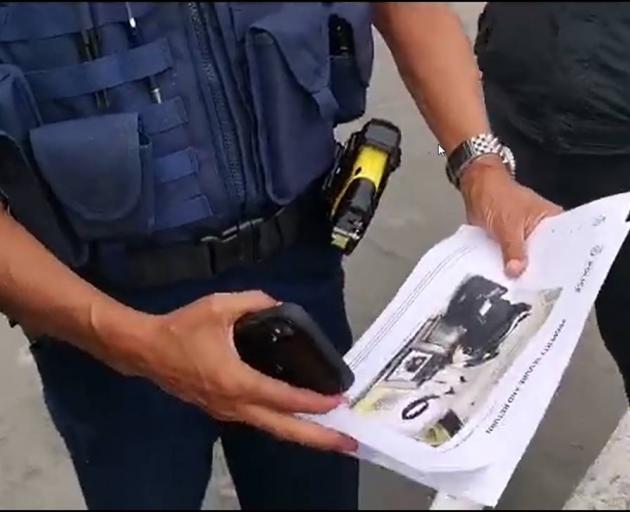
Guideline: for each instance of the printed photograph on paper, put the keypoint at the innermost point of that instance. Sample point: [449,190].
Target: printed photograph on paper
[440,377]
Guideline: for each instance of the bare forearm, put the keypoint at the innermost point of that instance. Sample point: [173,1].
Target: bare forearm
[44,296]
[436,62]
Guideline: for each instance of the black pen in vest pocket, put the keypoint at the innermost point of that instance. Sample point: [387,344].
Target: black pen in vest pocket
[154,88]
[95,42]
[88,53]
[90,46]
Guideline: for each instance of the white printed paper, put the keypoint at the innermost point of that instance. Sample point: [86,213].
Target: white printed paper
[455,375]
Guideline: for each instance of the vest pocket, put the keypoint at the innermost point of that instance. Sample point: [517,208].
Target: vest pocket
[351,57]
[100,170]
[287,56]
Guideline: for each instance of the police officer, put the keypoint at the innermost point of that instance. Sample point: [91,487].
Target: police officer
[159,164]
[560,100]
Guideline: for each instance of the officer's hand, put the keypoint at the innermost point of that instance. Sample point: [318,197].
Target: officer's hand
[195,359]
[507,210]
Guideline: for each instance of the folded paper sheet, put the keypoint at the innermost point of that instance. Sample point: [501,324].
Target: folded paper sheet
[455,375]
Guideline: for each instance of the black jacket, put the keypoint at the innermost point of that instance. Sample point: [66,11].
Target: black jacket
[559,72]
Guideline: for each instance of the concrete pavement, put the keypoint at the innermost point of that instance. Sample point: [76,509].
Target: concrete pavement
[418,209]
[606,485]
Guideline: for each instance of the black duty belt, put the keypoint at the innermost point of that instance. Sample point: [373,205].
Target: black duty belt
[244,244]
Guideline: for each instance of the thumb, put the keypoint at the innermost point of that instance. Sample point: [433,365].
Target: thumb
[511,238]
[229,306]
[236,305]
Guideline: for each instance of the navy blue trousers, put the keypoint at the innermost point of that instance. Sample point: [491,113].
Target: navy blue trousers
[134,446]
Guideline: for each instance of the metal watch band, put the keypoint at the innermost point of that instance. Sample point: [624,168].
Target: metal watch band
[473,148]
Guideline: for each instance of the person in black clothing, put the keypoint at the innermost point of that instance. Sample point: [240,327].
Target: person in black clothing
[556,79]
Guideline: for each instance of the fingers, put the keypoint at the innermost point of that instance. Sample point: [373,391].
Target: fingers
[512,231]
[511,238]
[298,431]
[550,210]
[259,388]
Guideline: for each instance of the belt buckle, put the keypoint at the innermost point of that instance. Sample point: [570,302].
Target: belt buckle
[236,245]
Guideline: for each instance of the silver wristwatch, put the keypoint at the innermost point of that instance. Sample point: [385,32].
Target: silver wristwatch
[473,148]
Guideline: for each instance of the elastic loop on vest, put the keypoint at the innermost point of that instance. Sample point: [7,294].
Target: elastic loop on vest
[175,166]
[103,73]
[179,196]
[161,117]
[326,102]
[35,20]
[180,214]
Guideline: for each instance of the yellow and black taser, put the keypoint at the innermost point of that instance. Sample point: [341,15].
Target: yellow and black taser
[356,184]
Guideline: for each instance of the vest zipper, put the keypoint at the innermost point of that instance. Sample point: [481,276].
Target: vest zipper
[212,82]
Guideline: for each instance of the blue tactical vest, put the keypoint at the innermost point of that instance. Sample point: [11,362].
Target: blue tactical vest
[250,94]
